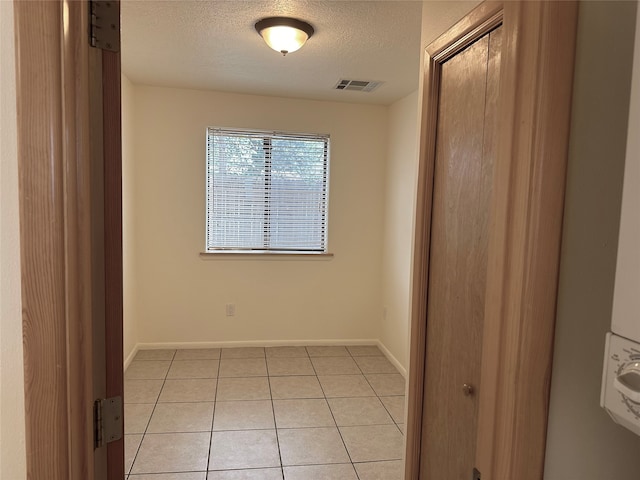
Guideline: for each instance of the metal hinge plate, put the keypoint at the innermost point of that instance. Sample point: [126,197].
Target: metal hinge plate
[105,25]
[107,420]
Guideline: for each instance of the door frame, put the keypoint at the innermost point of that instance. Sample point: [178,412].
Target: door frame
[56,146]
[55,242]
[536,81]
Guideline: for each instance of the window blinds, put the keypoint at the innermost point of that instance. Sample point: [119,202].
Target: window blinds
[266,191]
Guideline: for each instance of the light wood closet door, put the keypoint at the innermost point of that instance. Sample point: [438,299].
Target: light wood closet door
[465,150]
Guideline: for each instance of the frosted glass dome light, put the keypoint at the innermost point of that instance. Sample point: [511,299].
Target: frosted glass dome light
[284,35]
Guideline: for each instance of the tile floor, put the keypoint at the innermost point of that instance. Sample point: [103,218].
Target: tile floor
[275,413]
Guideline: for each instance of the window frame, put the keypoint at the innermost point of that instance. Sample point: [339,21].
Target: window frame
[267,137]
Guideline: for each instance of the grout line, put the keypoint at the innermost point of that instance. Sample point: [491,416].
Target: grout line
[273,412]
[135,457]
[388,411]
[334,418]
[345,445]
[215,402]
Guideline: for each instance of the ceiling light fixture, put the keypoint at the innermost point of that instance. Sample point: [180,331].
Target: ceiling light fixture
[284,35]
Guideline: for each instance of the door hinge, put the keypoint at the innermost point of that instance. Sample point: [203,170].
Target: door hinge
[107,420]
[476,474]
[104,25]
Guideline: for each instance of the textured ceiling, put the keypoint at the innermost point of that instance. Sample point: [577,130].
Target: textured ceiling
[213,45]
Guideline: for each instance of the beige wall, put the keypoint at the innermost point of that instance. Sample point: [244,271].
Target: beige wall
[12,429]
[128,221]
[438,16]
[583,443]
[181,297]
[626,301]
[399,212]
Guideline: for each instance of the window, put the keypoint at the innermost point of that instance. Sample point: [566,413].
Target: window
[266,191]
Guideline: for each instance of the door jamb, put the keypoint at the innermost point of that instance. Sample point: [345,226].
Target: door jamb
[525,232]
[55,236]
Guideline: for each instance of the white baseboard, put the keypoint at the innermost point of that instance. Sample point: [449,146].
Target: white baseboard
[131,356]
[392,359]
[253,343]
[264,343]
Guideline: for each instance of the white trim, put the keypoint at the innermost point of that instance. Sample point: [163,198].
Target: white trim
[253,343]
[131,356]
[392,359]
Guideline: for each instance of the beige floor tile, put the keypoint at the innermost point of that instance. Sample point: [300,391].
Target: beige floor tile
[289,366]
[302,413]
[335,366]
[252,388]
[147,370]
[253,474]
[286,352]
[243,352]
[142,391]
[326,351]
[389,470]
[321,472]
[198,354]
[375,365]
[181,417]
[364,351]
[259,450]
[154,355]
[136,417]
[311,446]
[345,386]
[243,415]
[193,369]
[386,384]
[373,443]
[131,444]
[172,452]
[171,476]
[243,367]
[188,390]
[395,407]
[401,427]
[296,387]
[359,411]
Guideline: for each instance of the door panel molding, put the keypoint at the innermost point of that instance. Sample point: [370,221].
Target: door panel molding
[525,231]
[55,242]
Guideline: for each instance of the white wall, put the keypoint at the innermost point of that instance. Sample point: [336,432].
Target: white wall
[181,297]
[130,330]
[583,443]
[12,424]
[399,213]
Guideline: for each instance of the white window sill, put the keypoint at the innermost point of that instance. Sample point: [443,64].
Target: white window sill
[258,254]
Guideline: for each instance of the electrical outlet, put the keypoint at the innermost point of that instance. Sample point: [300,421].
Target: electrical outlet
[231,309]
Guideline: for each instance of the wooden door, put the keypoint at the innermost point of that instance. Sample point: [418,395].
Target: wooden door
[465,151]
[487,242]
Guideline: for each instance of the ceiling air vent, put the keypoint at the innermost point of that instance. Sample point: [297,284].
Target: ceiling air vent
[357,85]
